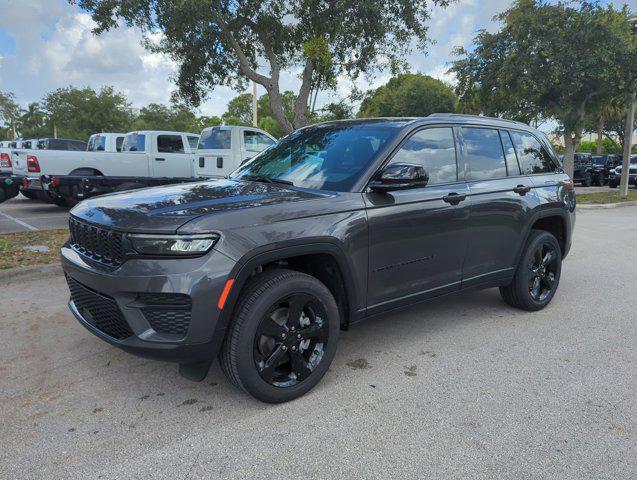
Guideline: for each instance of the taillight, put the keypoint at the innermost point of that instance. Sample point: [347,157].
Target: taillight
[5,160]
[32,164]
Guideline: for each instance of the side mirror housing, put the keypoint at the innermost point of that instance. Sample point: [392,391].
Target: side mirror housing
[400,176]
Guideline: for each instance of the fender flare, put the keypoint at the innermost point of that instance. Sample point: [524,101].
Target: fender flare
[268,253]
[544,213]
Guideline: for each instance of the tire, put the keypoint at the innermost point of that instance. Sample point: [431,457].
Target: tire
[587,179]
[60,201]
[601,179]
[254,338]
[29,195]
[520,292]
[612,184]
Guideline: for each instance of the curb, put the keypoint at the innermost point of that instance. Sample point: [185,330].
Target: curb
[25,274]
[593,206]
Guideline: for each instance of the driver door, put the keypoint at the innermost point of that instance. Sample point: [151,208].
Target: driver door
[418,237]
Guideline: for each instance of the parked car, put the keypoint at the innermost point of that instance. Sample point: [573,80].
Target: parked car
[144,154]
[616,174]
[583,169]
[185,160]
[8,183]
[602,166]
[335,223]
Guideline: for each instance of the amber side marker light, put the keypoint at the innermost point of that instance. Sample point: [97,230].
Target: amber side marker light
[224,294]
[569,184]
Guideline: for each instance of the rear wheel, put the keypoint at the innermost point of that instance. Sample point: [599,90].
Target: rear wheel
[538,273]
[601,179]
[587,179]
[283,337]
[29,195]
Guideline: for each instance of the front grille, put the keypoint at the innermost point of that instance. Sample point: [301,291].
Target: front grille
[167,313]
[99,310]
[97,243]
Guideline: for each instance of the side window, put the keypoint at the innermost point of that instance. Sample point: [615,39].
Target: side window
[193,141]
[484,153]
[119,141]
[509,153]
[134,142]
[531,154]
[434,149]
[170,144]
[255,141]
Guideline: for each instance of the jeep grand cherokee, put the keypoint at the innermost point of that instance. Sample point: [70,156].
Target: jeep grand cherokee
[335,223]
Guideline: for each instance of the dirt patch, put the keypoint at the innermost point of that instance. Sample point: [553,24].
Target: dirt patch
[13,253]
[359,364]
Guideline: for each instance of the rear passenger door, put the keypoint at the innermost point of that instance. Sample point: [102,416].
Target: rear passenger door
[418,237]
[170,158]
[501,200]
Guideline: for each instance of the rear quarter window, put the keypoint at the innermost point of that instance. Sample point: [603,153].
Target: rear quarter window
[532,156]
[134,142]
[170,144]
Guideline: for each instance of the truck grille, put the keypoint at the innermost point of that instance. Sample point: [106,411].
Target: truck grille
[167,313]
[97,243]
[99,310]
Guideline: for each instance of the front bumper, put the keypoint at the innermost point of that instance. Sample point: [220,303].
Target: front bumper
[201,279]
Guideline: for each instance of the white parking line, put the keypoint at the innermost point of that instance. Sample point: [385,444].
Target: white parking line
[20,222]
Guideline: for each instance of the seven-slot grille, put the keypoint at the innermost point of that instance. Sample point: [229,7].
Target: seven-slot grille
[99,310]
[100,244]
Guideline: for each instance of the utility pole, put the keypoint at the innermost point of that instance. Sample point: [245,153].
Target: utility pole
[628,134]
[255,120]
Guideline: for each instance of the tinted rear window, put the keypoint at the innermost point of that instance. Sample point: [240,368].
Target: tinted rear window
[215,139]
[484,153]
[532,156]
[170,144]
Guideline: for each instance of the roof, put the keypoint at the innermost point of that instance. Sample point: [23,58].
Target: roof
[434,117]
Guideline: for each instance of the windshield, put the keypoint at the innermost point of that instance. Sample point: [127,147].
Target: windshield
[217,138]
[599,160]
[134,142]
[325,157]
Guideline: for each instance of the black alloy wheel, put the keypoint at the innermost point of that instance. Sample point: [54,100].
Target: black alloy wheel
[291,340]
[542,280]
[283,336]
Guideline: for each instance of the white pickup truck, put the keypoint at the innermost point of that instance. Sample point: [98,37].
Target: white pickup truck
[151,158]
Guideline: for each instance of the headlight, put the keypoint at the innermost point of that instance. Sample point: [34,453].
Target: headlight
[173,245]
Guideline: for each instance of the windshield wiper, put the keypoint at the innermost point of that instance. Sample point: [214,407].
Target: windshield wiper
[262,179]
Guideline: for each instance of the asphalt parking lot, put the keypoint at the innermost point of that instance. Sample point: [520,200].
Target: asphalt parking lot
[21,214]
[457,388]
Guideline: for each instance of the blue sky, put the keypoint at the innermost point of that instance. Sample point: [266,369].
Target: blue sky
[47,44]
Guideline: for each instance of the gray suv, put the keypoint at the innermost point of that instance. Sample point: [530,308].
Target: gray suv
[335,223]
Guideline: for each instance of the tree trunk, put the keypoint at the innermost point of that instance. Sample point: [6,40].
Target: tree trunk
[600,135]
[572,141]
[278,112]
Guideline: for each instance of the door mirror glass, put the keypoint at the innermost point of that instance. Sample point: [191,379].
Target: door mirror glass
[400,176]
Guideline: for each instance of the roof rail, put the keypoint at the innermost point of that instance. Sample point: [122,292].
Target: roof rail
[469,117]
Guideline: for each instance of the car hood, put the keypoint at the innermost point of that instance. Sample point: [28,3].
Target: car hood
[165,209]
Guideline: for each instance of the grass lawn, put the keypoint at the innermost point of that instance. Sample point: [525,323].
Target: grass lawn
[13,254]
[611,196]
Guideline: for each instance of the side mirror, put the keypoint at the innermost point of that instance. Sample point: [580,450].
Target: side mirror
[400,176]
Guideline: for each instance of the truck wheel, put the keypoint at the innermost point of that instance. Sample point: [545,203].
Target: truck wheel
[29,195]
[283,336]
[537,275]
[587,180]
[601,179]
[612,184]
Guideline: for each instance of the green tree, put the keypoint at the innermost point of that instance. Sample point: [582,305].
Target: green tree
[176,117]
[335,111]
[80,112]
[239,110]
[550,60]
[33,122]
[9,114]
[408,94]
[220,42]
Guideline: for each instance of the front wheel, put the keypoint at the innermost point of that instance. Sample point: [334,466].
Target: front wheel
[283,337]
[587,180]
[538,273]
[601,179]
